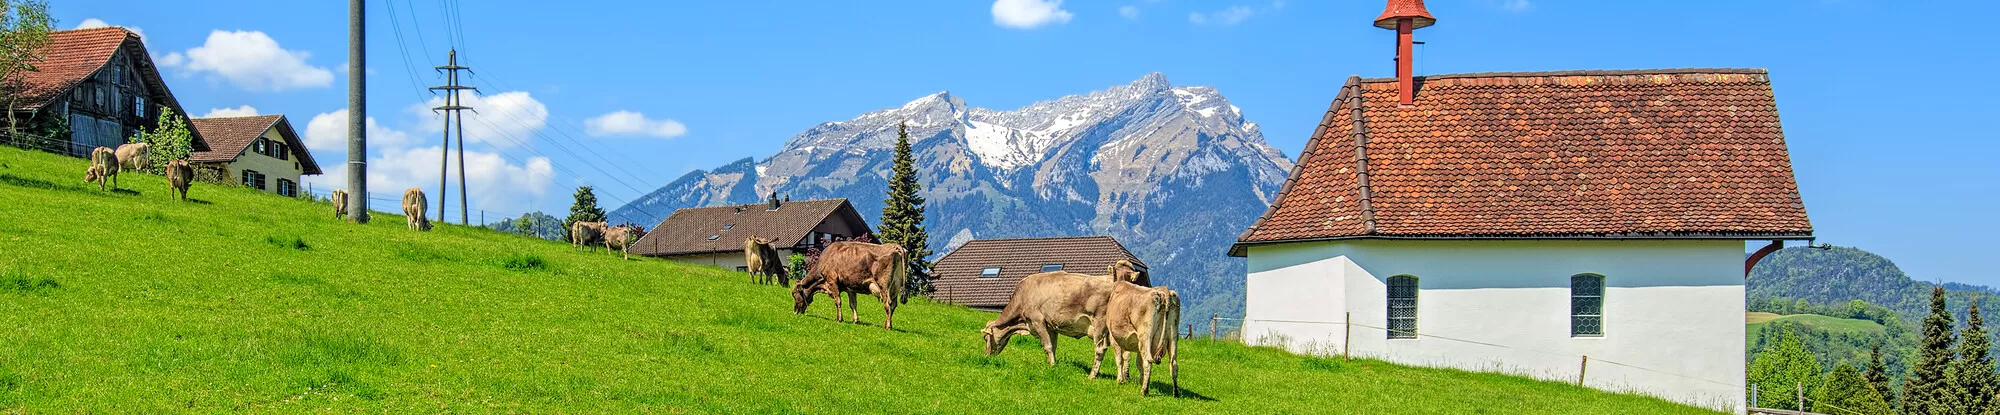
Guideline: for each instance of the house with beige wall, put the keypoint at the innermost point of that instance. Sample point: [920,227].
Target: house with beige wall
[261,152]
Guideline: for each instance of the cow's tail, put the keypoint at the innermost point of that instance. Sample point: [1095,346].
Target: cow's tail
[899,276]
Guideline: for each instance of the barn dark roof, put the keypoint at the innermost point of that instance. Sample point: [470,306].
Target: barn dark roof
[688,231]
[228,136]
[957,273]
[1678,153]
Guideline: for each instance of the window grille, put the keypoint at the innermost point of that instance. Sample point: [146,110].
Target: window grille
[1403,307]
[1586,305]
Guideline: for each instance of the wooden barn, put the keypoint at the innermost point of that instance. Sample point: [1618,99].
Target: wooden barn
[715,235]
[99,82]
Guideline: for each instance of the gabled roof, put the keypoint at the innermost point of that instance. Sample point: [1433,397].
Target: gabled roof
[74,55]
[228,136]
[687,231]
[1676,154]
[957,273]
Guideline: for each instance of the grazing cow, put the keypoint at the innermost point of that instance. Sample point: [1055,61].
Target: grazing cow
[621,238]
[856,267]
[1052,303]
[413,209]
[1146,321]
[135,156]
[1125,270]
[180,175]
[585,234]
[339,197]
[764,262]
[103,168]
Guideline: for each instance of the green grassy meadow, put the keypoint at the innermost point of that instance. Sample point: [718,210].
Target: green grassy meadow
[1756,321]
[243,301]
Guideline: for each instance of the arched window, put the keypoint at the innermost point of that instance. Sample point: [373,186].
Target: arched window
[1586,305]
[1403,307]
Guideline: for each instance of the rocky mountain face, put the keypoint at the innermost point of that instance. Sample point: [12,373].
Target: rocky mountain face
[1173,172]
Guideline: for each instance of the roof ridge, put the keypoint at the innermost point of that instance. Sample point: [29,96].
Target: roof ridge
[1043,237]
[240,116]
[1583,72]
[1361,186]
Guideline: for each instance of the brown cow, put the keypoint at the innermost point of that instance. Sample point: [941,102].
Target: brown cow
[582,234]
[1146,321]
[179,176]
[1052,303]
[414,205]
[620,238]
[103,168]
[135,156]
[339,197]
[856,267]
[763,262]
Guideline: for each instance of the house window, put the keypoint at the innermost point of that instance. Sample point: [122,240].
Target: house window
[989,272]
[139,106]
[1403,307]
[1052,267]
[253,179]
[260,147]
[714,237]
[729,226]
[1586,305]
[282,152]
[288,188]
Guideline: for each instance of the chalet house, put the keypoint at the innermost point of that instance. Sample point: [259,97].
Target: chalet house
[260,152]
[101,82]
[1522,221]
[983,272]
[714,235]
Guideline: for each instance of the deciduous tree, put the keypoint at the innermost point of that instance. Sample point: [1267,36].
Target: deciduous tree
[24,38]
[1780,372]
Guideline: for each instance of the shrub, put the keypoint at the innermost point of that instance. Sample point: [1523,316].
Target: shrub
[524,262]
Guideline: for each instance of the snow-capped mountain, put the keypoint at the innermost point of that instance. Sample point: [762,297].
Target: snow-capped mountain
[1173,172]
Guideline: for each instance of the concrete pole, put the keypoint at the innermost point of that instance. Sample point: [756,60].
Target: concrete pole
[357,112]
[463,219]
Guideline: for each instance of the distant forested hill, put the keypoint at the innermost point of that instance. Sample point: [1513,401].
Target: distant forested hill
[1801,280]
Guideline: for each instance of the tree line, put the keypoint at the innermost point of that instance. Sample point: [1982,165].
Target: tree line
[1953,372]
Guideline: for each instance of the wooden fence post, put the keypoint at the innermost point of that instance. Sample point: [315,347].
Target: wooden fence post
[1211,325]
[1753,397]
[1347,343]
[1802,396]
[1581,370]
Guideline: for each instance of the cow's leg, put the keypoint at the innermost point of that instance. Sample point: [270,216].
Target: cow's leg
[1174,364]
[836,307]
[888,308]
[1146,366]
[1097,345]
[1118,355]
[1048,338]
[854,306]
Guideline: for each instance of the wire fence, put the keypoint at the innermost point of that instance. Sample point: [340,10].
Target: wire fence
[56,145]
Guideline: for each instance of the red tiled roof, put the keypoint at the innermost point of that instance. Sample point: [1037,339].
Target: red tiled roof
[1695,153]
[228,136]
[71,56]
[956,275]
[687,231]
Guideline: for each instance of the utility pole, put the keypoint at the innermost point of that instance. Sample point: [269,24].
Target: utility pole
[453,112]
[357,112]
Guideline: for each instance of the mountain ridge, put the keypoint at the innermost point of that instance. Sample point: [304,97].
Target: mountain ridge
[1174,172]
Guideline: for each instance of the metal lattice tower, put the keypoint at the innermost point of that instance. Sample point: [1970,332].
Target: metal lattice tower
[453,112]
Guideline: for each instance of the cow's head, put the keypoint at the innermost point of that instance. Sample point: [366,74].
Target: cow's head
[996,338]
[802,297]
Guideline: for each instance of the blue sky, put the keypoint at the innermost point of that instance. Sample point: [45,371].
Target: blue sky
[1887,108]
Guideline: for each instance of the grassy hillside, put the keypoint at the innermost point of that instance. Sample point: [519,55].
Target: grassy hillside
[1756,322]
[131,302]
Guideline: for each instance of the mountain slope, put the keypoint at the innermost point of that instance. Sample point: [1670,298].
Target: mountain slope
[243,301]
[1172,172]
[1840,274]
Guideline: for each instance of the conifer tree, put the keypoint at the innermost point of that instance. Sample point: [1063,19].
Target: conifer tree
[1974,374]
[1878,375]
[1784,369]
[903,215]
[1930,390]
[1846,391]
[584,210]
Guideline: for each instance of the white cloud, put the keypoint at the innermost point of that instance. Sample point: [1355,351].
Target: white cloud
[1516,5]
[1029,14]
[327,132]
[93,23]
[493,183]
[251,60]
[1226,17]
[1129,12]
[243,111]
[503,120]
[632,123]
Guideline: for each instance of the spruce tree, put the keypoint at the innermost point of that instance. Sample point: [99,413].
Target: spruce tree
[903,215]
[584,210]
[1782,370]
[1929,390]
[1846,391]
[1878,375]
[1974,374]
